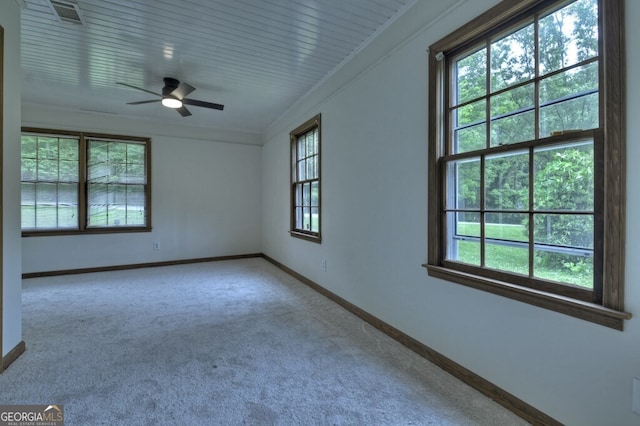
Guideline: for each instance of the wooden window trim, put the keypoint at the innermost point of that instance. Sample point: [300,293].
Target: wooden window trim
[309,125]
[82,186]
[610,312]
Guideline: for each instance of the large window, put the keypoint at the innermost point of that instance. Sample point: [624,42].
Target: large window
[305,180]
[526,156]
[79,182]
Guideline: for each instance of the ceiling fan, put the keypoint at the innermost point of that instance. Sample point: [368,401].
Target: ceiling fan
[174,96]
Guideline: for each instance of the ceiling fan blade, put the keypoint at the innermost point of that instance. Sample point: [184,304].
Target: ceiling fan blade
[202,104]
[182,90]
[143,102]
[139,88]
[183,111]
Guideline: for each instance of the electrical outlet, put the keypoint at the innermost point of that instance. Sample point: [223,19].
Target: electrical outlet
[635,396]
[324,265]
[156,246]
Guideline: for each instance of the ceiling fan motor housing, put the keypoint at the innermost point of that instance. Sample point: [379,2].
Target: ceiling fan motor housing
[170,84]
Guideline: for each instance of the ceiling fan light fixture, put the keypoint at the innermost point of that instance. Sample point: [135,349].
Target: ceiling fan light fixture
[170,102]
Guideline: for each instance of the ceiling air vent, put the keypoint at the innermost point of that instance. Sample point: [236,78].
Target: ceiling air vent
[67,11]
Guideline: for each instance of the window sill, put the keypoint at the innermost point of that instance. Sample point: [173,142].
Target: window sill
[564,305]
[309,237]
[60,232]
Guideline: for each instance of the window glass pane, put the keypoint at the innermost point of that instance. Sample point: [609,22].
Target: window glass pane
[572,82]
[306,218]
[467,224]
[47,148]
[315,219]
[301,147]
[563,267]
[46,205]
[135,173]
[302,170]
[564,177]
[467,252]
[315,194]
[513,116]
[118,172]
[507,256]
[117,152]
[315,166]
[573,114]
[512,129]
[98,201]
[67,205]
[135,153]
[306,194]
[507,226]
[507,181]
[470,77]
[116,205]
[513,59]
[470,138]
[28,169]
[473,113]
[566,230]
[48,170]
[568,36]
[298,217]
[564,248]
[28,203]
[68,171]
[310,171]
[465,191]
[68,149]
[298,192]
[98,152]
[463,232]
[67,217]
[310,144]
[28,146]
[136,205]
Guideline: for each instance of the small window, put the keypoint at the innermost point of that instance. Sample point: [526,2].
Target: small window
[79,182]
[522,124]
[305,180]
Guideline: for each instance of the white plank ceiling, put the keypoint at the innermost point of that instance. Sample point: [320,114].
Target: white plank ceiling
[257,57]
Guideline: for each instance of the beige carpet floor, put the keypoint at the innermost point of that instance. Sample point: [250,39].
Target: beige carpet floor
[222,343]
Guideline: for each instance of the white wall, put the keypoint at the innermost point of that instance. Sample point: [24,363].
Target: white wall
[12,284]
[205,197]
[374,206]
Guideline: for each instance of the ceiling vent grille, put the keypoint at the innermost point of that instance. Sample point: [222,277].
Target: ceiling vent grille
[67,11]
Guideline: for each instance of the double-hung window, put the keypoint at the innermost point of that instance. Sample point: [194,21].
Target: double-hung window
[76,182]
[305,180]
[526,156]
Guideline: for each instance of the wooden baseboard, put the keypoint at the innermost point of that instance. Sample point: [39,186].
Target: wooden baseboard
[137,266]
[13,354]
[502,397]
